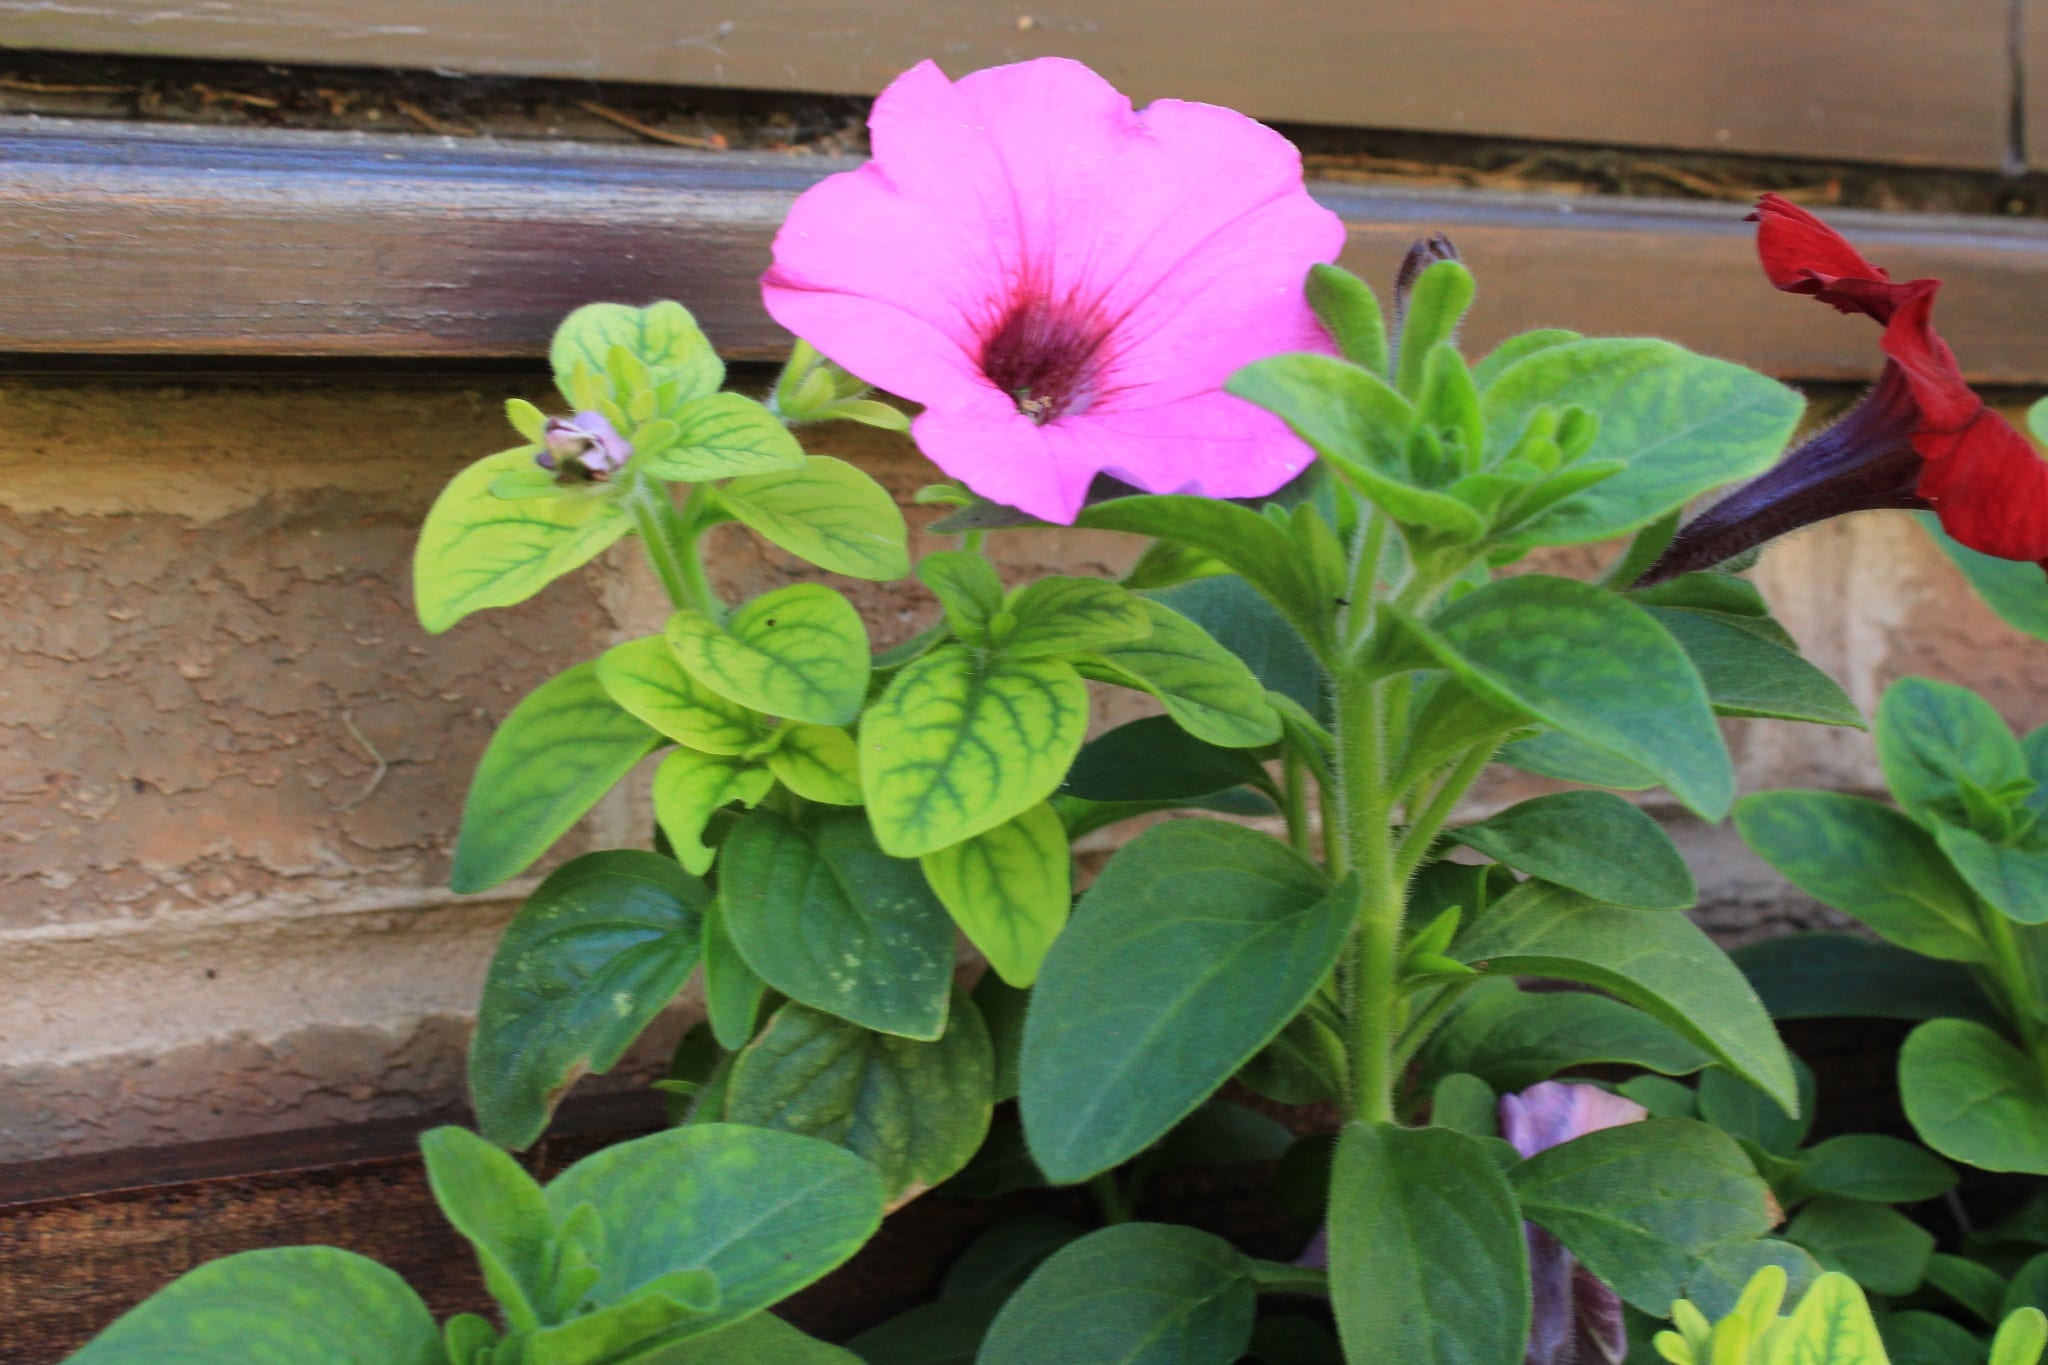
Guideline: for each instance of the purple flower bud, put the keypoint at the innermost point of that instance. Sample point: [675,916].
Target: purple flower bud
[586,446]
[1575,1319]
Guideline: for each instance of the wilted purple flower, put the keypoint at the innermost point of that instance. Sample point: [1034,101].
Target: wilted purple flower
[1576,1319]
[586,446]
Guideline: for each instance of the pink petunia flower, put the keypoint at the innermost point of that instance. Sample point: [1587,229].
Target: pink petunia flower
[1063,282]
[1576,1320]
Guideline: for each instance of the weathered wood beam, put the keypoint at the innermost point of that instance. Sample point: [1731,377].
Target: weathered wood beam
[195,242]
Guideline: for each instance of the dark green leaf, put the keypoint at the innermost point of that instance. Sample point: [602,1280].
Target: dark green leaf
[1512,1039]
[827,918]
[1197,943]
[1747,675]
[281,1306]
[1742,1111]
[1868,861]
[2027,1289]
[1660,963]
[1878,1247]
[1222,1133]
[1598,667]
[1556,754]
[917,1111]
[1842,976]
[1933,739]
[1916,1338]
[1641,1205]
[1592,842]
[594,954]
[1463,1102]
[1870,1166]
[1004,1256]
[948,1331]
[1133,1294]
[762,1339]
[2016,590]
[1154,759]
[1972,1284]
[732,989]
[1974,1097]
[1427,1258]
[1727,1270]
[1002,1009]
[564,746]
[1289,1339]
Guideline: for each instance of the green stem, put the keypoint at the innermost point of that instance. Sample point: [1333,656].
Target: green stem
[1278,1277]
[1294,781]
[1423,829]
[670,540]
[1364,810]
[1418,1030]
[1109,1199]
[2012,980]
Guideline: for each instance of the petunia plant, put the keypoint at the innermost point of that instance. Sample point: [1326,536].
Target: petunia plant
[1130,321]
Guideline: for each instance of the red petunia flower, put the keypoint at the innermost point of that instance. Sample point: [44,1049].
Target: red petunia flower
[1921,439]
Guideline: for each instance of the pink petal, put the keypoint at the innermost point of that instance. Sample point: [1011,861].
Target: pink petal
[1005,456]
[1545,1115]
[1211,443]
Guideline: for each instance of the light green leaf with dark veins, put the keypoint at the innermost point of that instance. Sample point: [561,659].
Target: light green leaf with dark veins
[967,587]
[663,337]
[1592,842]
[1660,963]
[724,435]
[1641,1205]
[826,512]
[689,788]
[594,954]
[1204,686]
[644,677]
[1132,1294]
[1683,423]
[917,1111]
[1748,675]
[1867,861]
[1194,947]
[956,746]
[563,747]
[1009,890]
[279,1306]
[800,652]
[829,919]
[478,550]
[817,762]
[1058,614]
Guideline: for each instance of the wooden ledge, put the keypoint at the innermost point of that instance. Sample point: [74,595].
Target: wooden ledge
[196,242]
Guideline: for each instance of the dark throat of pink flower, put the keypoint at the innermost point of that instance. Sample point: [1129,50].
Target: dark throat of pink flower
[1051,356]
[1863,462]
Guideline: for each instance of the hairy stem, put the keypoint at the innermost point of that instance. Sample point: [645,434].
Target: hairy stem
[1364,810]
[670,540]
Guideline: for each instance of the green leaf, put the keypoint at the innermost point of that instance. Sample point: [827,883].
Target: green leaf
[1869,862]
[1916,1338]
[917,1111]
[1832,1325]
[1641,1205]
[280,1306]
[947,1331]
[1682,422]
[1427,1258]
[1350,313]
[1729,1268]
[1883,1170]
[732,989]
[1205,687]
[1256,548]
[644,677]
[2013,877]
[586,964]
[1972,1284]
[1744,1112]
[828,919]
[956,746]
[1591,842]
[765,1213]
[1193,948]
[967,587]
[1598,667]
[1221,1133]
[2016,590]
[1009,890]
[1748,675]
[1465,1103]
[1516,348]
[563,747]
[1711,591]
[1935,739]
[1556,754]
[827,512]
[1133,1294]
[663,337]
[1660,963]
[1511,1038]
[1845,976]
[2021,1339]
[724,436]
[689,788]
[1879,1247]
[1004,1256]
[495,1204]
[1061,615]
[1435,305]
[1002,1009]
[762,1339]
[1974,1097]
[817,762]
[1249,626]
[1154,759]
[800,652]
[478,550]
